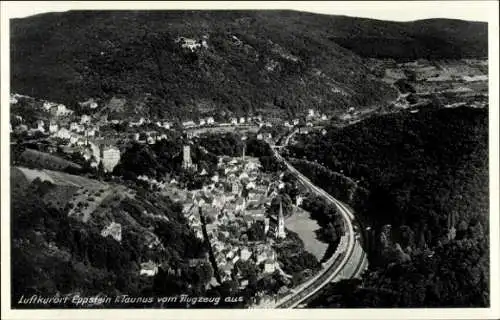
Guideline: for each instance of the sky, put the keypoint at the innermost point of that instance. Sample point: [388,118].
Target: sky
[383,10]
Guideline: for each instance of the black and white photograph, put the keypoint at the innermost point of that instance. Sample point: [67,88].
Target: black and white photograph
[267,157]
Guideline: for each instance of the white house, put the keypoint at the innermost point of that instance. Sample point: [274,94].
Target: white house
[138,123]
[234,121]
[243,284]
[203,122]
[85,119]
[269,266]
[89,104]
[251,185]
[48,105]
[210,120]
[62,110]
[80,128]
[73,126]
[73,139]
[90,133]
[53,127]
[242,120]
[299,200]
[63,133]
[245,254]
[149,269]
[114,230]
[40,126]
[188,124]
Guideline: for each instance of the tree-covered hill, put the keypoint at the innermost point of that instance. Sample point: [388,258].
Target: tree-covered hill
[421,39]
[424,209]
[420,167]
[253,61]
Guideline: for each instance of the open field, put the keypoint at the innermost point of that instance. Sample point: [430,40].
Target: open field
[46,160]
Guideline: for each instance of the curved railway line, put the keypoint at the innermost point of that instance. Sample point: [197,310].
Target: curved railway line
[349,260]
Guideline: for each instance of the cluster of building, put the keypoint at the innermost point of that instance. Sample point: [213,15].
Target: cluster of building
[73,134]
[235,201]
[85,134]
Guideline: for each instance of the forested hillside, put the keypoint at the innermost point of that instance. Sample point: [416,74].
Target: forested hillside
[186,63]
[56,253]
[427,202]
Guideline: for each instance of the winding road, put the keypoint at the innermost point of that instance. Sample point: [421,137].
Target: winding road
[348,261]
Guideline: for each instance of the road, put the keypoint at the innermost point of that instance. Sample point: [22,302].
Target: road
[349,260]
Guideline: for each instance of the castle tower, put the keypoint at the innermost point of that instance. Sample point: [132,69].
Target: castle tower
[186,157]
[280,233]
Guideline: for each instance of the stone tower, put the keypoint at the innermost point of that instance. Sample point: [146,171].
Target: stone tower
[186,157]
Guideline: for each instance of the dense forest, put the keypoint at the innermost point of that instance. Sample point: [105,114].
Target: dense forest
[274,61]
[419,186]
[422,39]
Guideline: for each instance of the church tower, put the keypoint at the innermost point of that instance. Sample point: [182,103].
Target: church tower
[280,232]
[451,226]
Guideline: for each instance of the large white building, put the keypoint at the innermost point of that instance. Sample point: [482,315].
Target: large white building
[110,158]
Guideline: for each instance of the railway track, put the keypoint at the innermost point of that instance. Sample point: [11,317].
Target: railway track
[340,262]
